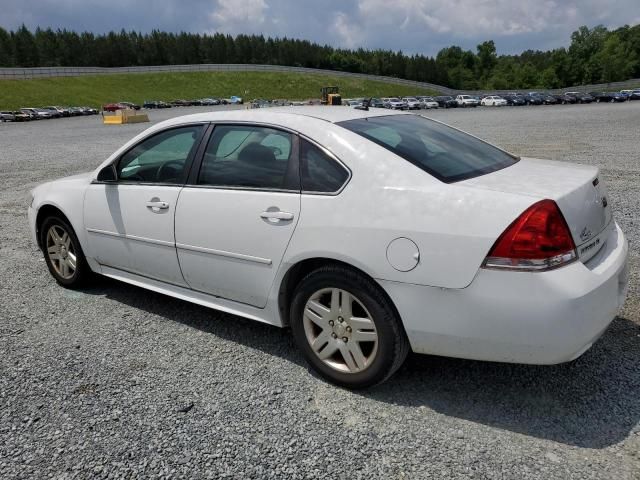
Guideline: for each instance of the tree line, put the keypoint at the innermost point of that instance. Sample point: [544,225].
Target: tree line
[595,55]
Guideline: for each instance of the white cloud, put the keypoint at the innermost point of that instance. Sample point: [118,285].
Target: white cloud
[463,18]
[349,32]
[239,15]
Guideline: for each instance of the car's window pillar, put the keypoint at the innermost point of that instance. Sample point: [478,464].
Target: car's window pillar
[292,175]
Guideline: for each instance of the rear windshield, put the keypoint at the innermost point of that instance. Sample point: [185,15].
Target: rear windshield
[444,152]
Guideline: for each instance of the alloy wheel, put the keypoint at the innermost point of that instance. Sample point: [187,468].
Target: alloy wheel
[61,252]
[340,330]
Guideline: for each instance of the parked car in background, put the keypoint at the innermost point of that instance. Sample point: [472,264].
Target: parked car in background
[7,116]
[602,97]
[514,100]
[428,102]
[412,103]
[89,111]
[580,97]
[493,101]
[77,111]
[62,111]
[395,103]
[260,103]
[112,107]
[548,99]
[631,94]
[564,99]
[153,104]
[209,101]
[235,100]
[37,113]
[20,116]
[53,112]
[532,99]
[180,102]
[32,114]
[466,101]
[445,101]
[619,97]
[132,106]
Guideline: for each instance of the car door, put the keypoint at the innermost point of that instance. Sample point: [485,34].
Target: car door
[236,216]
[130,222]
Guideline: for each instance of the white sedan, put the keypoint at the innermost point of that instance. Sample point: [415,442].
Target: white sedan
[369,234]
[428,103]
[493,101]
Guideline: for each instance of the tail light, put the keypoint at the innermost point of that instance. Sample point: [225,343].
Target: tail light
[539,239]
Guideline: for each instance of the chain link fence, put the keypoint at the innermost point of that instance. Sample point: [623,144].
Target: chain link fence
[44,72]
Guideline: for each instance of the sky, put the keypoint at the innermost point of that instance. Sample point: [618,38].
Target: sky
[413,26]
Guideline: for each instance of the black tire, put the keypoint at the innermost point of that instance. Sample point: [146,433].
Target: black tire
[82,275]
[393,345]
[612,100]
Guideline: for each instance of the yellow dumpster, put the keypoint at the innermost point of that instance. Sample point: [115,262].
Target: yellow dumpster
[123,116]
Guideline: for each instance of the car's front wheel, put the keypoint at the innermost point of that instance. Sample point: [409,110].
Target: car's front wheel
[63,254]
[347,328]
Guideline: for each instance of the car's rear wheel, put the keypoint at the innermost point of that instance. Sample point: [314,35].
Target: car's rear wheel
[63,254]
[347,328]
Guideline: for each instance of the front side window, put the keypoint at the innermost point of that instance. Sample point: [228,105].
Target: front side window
[318,171]
[248,156]
[161,158]
[442,151]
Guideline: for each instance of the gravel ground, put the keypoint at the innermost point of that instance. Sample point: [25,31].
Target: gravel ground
[119,382]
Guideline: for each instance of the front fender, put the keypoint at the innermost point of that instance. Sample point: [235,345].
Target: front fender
[67,196]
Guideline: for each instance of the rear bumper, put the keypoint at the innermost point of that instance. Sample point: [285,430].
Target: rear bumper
[518,317]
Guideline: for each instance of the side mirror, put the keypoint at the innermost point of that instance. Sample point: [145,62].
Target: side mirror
[108,174]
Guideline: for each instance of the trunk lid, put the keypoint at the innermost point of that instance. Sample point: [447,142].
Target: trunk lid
[577,189]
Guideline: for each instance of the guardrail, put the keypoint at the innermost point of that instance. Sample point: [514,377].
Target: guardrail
[44,72]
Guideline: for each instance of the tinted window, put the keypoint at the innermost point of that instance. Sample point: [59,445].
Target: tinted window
[442,151]
[319,172]
[246,156]
[161,158]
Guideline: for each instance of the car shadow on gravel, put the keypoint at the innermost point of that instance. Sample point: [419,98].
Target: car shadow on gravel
[593,402]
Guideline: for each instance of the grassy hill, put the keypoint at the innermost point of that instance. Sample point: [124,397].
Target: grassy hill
[98,90]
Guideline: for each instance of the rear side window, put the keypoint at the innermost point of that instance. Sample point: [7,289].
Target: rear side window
[319,172]
[446,153]
[245,156]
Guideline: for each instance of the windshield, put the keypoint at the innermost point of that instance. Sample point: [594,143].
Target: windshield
[442,151]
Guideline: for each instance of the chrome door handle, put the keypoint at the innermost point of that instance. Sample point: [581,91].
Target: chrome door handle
[158,204]
[276,216]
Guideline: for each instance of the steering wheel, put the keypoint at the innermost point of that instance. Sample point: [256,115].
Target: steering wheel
[175,165]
